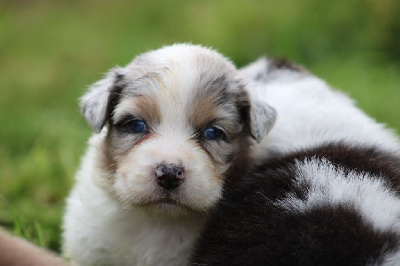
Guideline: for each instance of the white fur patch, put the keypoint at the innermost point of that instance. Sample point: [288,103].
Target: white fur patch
[330,186]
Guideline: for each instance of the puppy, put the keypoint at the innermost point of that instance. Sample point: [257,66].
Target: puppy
[172,127]
[326,191]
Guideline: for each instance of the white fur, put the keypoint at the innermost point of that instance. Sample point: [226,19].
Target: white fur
[392,259]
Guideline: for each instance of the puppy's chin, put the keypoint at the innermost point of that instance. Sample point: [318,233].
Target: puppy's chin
[159,204]
[181,202]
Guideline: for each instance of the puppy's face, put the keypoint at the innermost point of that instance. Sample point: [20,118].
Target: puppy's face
[177,118]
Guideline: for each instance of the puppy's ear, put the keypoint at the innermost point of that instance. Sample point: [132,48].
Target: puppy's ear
[262,118]
[102,96]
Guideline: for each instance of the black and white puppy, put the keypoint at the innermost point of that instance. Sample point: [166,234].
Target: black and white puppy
[327,191]
[174,126]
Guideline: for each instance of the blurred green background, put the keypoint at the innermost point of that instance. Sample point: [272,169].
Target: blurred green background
[51,50]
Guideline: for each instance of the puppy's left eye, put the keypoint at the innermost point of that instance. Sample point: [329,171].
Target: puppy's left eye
[213,133]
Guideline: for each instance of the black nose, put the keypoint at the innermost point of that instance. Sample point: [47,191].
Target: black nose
[169,176]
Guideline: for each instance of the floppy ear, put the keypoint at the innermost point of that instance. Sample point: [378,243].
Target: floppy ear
[262,118]
[97,103]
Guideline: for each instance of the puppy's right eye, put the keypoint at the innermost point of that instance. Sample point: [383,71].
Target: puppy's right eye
[134,126]
[213,133]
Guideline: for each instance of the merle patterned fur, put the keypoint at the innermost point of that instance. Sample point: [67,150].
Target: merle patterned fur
[248,228]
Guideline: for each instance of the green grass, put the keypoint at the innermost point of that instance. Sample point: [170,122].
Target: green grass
[51,50]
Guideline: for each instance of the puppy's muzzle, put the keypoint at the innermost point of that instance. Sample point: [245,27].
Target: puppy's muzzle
[169,176]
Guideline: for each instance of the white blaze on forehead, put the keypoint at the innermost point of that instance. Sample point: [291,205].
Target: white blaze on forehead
[176,96]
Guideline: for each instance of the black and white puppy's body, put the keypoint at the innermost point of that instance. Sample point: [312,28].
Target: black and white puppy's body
[327,191]
[175,125]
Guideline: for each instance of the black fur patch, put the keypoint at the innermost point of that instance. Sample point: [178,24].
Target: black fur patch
[283,63]
[275,65]
[247,228]
[113,100]
[114,97]
[215,87]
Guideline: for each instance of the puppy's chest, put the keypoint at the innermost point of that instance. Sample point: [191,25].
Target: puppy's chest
[146,243]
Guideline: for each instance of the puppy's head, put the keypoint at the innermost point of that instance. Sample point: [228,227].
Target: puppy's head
[177,118]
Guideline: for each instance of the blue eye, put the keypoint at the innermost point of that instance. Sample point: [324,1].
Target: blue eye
[213,133]
[136,126]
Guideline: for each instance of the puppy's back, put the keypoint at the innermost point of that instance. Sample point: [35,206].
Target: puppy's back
[333,205]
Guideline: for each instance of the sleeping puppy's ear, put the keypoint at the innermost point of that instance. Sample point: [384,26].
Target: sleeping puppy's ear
[262,118]
[98,103]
